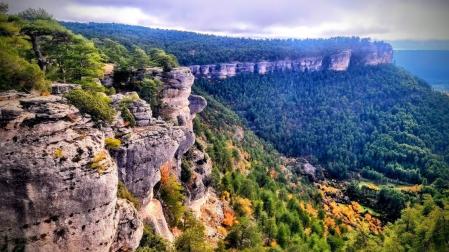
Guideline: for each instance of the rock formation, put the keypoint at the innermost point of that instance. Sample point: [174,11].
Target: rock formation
[58,183]
[373,54]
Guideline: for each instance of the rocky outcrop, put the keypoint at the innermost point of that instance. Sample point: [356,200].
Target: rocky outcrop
[148,146]
[302,167]
[129,227]
[153,214]
[371,54]
[376,54]
[139,109]
[340,61]
[210,210]
[200,166]
[58,184]
[142,153]
[196,104]
[62,88]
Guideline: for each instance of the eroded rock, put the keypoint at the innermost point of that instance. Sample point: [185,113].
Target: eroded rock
[57,183]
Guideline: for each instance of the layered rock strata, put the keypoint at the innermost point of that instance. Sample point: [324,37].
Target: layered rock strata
[372,54]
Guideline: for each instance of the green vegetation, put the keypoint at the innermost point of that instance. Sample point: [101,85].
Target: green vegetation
[269,205]
[379,120]
[93,103]
[151,242]
[192,48]
[193,236]
[124,193]
[16,71]
[171,194]
[36,49]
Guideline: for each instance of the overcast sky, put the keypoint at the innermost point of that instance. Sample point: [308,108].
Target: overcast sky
[378,19]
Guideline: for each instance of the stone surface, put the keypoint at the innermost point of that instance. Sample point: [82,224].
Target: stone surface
[196,104]
[139,108]
[152,213]
[142,153]
[62,88]
[53,197]
[340,61]
[201,170]
[209,209]
[129,227]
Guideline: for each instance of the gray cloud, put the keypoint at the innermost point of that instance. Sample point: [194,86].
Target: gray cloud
[380,19]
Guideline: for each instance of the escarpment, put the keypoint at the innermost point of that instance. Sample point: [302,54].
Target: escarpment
[58,181]
[369,55]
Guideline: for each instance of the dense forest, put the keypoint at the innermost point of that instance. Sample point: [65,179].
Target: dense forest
[285,212]
[379,121]
[194,48]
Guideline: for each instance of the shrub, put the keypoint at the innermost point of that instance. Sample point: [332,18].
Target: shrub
[112,143]
[171,195]
[186,170]
[127,116]
[149,90]
[244,235]
[193,237]
[164,60]
[95,104]
[98,162]
[243,206]
[58,153]
[151,242]
[124,193]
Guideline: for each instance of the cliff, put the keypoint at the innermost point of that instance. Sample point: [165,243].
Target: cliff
[58,181]
[341,60]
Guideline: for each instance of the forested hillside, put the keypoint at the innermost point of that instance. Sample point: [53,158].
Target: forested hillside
[194,48]
[379,121]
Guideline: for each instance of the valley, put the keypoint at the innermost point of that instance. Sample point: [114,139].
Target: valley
[118,137]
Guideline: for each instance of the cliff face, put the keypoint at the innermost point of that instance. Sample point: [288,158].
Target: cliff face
[58,182]
[374,54]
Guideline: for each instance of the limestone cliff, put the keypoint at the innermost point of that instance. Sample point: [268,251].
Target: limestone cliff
[58,181]
[372,54]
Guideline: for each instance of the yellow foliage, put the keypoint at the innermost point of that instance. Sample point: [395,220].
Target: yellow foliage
[98,162]
[412,188]
[112,143]
[307,231]
[225,196]
[58,153]
[244,206]
[222,231]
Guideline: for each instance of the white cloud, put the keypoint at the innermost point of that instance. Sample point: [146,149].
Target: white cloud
[379,19]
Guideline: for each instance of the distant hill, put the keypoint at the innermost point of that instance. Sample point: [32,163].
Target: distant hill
[378,121]
[430,65]
[197,49]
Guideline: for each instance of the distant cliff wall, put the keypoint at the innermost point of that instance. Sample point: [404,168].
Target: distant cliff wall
[373,54]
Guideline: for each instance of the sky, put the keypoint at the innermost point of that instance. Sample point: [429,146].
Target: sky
[391,20]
